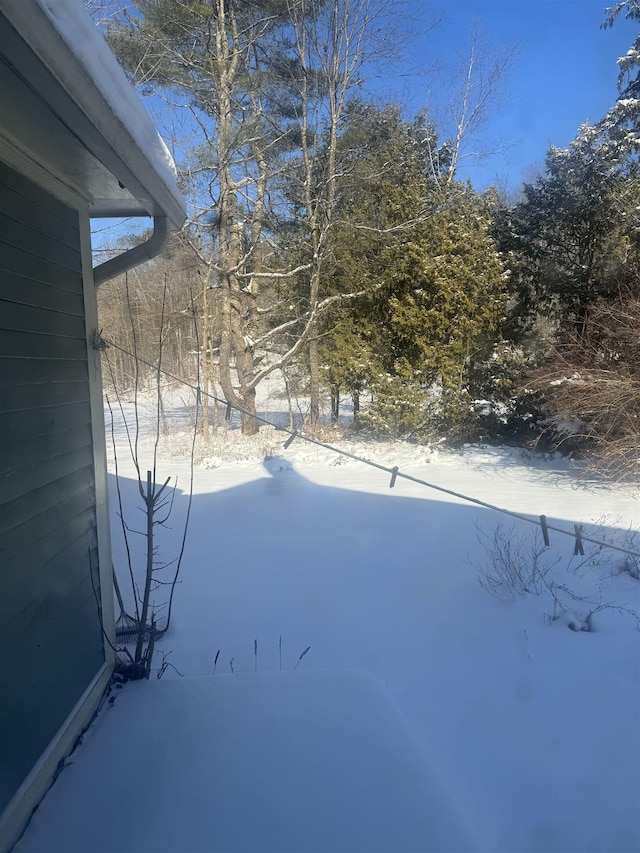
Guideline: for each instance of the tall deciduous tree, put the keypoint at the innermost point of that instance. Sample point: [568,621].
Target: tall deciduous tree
[266,85]
[474,88]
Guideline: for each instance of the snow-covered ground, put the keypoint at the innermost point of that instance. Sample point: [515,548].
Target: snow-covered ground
[532,730]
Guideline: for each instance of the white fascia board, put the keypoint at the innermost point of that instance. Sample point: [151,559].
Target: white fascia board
[63,37]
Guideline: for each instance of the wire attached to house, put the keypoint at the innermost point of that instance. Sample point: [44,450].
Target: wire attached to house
[395,473]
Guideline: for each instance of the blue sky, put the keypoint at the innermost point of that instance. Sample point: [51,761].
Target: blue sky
[564,72]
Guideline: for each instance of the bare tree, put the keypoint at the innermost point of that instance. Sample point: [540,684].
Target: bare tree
[474,89]
[148,308]
[151,619]
[591,386]
[265,86]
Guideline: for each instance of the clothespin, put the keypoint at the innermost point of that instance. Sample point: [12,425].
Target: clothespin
[198,395]
[290,439]
[394,474]
[227,415]
[545,530]
[578,547]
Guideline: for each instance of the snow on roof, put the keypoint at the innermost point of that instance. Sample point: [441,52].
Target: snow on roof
[78,31]
[63,36]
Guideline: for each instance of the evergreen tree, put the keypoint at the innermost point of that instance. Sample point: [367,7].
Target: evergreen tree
[570,235]
[622,122]
[430,273]
[574,244]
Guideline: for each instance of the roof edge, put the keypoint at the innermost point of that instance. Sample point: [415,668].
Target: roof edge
[63,36]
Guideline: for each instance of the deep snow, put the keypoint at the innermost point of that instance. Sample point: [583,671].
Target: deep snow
[286,762]
[530,728]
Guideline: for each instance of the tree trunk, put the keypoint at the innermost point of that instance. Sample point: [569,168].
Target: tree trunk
[149,501]
[314,384]
[356,407]
[204,374]
[250,425]
[287,390]
[335,405]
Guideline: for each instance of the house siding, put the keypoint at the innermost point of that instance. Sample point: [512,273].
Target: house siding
[49,576]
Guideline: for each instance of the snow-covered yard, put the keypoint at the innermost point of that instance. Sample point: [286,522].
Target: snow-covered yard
[531,730]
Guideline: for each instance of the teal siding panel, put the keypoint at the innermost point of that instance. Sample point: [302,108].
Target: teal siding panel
[23,210]
[24,481]
[18,262]
[16,398]
[17,288]
[72,522]
[20,456]
[39,200]
[47,620]
[29,318]
[53,577]
[30,718]
[23,236]
[50,629]
[40,504]
[16,426]
[29,345]
[25,371]
[60,687]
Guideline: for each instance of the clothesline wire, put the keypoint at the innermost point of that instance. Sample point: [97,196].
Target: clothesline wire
[577,534]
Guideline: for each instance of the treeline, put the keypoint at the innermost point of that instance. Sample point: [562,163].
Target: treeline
[331,239]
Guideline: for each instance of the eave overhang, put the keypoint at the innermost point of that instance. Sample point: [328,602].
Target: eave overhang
[67,106]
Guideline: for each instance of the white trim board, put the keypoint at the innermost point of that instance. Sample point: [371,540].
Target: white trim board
[16,815]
